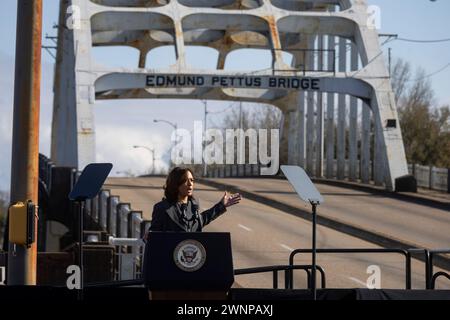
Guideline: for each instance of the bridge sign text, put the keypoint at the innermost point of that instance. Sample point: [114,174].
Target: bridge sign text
[258,82]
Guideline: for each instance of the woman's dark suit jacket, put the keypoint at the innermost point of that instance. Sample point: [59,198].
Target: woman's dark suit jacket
[165,216]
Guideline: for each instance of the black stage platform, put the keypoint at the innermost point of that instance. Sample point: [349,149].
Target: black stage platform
[140,295]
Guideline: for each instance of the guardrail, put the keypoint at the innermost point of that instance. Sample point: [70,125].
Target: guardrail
[431,177]
[403,252]
[427,177]
[288,276]
[129,254]
[436,276]
[430,276]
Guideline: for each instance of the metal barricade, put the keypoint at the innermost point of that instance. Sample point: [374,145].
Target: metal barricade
[429,264]
[287,273]
[129,262]
[403,252]
[436,276]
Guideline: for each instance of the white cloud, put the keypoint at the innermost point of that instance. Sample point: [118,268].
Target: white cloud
[115,145]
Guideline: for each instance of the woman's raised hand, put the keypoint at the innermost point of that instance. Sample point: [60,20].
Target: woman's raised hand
[230,199]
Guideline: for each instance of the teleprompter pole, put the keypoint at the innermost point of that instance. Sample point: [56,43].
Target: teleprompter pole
[314,251]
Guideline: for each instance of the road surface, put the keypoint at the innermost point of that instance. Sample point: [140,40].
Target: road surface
[262,235]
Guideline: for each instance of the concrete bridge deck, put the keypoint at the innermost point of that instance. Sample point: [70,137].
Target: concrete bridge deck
[414,223]
[265,235]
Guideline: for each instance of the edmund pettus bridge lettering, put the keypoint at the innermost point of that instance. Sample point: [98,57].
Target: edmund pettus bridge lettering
[260,82]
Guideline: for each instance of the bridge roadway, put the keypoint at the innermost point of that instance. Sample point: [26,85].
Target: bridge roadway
[264,235]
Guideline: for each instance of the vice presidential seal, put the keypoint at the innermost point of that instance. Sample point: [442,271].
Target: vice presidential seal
[189,255]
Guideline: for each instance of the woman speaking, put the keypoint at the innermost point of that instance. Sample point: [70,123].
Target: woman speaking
[179,209]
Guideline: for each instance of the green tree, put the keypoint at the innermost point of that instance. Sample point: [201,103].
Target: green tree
[256,117]
[425,127]
[253,117]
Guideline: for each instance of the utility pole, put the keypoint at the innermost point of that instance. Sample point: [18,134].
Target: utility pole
[25,141]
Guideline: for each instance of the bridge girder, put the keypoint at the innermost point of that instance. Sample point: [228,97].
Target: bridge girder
[224,25]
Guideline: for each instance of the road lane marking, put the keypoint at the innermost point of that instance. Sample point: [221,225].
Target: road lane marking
[286,247]
[244,227]
[358,282]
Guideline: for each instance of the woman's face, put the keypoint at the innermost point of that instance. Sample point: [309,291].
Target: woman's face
[187,187]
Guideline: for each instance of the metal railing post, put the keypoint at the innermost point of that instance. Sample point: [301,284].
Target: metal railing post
[448,180]
[405,253]
[427,269]
[408,271]
[287,268]
[275,279]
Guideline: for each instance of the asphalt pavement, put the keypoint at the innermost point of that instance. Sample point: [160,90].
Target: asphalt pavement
[263,235]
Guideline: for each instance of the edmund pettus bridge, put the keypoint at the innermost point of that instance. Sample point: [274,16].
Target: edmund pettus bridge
[339,122]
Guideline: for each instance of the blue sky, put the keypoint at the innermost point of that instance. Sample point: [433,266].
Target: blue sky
[121,124]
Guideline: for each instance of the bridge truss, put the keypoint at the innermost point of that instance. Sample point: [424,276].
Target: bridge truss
[339,113]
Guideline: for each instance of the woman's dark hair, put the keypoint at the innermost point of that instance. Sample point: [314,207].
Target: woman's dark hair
[175,178]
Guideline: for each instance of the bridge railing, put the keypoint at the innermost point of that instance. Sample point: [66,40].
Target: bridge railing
[130,262]
[432,277]
[403,252]
[431,177]
[427,176]
[288,276]
[105,216]
[129,258]
[438,275]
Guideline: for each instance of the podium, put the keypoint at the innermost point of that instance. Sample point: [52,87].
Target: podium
[188,265]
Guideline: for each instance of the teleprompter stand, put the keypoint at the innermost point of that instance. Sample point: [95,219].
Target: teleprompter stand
[87,187]
[306,190]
